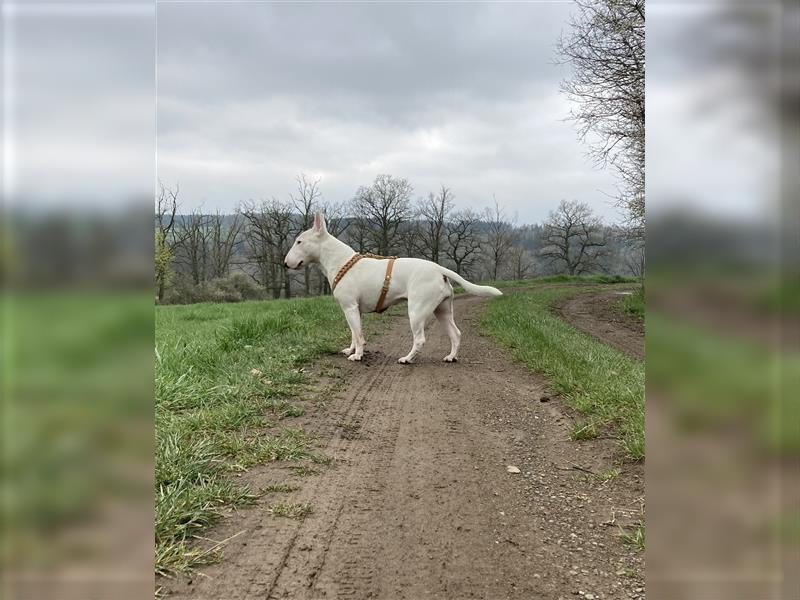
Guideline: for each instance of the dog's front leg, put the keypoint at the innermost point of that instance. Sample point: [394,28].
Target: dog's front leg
[352,347]
[353,316]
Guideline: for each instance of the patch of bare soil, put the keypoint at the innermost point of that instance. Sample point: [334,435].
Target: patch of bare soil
[598,314]
[419,502]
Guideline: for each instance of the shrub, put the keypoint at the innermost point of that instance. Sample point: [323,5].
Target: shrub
[222,290]
[248,288]
[235,288]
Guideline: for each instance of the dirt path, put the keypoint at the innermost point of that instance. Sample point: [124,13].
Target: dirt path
[418,503]
[598,315]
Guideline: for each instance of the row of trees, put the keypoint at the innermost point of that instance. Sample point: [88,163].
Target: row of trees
[194,249]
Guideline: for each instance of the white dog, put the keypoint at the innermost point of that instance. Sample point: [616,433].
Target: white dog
[358,284]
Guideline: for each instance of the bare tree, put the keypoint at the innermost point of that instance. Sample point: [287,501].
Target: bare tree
[166,209]
[191,245]
[463,240]
[522,261]
[305,202]
[269,234]
[224,239]
[408,239]
[358,234]
[606,48]
[574,239]
[499,238]
[385,206]
[337,217]
[634,258]
[434,211]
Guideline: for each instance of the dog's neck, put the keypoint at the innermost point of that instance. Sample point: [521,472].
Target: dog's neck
[333,256]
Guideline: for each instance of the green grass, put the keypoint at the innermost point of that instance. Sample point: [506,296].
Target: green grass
[634,304]
[77,374]
[291,510]
[304,470]
[283,488]
[214,416]
[603,384]
[608,475]
[634,535]
[716,380]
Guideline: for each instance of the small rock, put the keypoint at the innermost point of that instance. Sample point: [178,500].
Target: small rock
[512,469]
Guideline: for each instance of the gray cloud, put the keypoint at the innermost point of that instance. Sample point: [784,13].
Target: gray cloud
[251,94]
[79,103]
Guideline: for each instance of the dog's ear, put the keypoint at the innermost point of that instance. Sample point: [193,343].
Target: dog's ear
[319,223]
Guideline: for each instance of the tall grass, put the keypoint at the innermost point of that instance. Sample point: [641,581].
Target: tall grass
[215,415]
[634,304]
[603,384]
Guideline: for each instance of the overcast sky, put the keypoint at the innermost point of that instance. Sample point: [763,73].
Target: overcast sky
[466,95]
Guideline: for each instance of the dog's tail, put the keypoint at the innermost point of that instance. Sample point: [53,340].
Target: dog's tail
[471,288]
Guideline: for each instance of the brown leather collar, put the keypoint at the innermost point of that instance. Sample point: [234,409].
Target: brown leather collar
[387,280]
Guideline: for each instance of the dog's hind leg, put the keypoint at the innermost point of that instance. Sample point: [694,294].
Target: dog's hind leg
[420,308]
[353,316]
[444,313]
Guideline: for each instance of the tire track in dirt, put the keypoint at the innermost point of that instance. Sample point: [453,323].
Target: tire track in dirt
[598,315]
[418,503]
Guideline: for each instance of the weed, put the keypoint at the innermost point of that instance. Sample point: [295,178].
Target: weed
[634,535]
[292,510]
[583,430]
[279,488]
[608,475]
[634,303]
[321,459]
[303,470]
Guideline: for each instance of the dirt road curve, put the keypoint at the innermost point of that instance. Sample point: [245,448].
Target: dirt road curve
[418,503]
[598,315]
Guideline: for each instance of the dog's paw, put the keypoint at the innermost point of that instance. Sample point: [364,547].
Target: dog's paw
[347,351]
[404,361]
[354,357]
[450,359]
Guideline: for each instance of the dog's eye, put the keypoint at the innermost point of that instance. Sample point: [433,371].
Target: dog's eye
[299,242]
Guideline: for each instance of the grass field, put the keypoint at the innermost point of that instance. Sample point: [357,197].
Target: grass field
[226,377]
[229,377]
[77,420]
[603,384]
[717,380]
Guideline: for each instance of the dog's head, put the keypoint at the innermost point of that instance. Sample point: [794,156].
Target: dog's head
[306,248]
